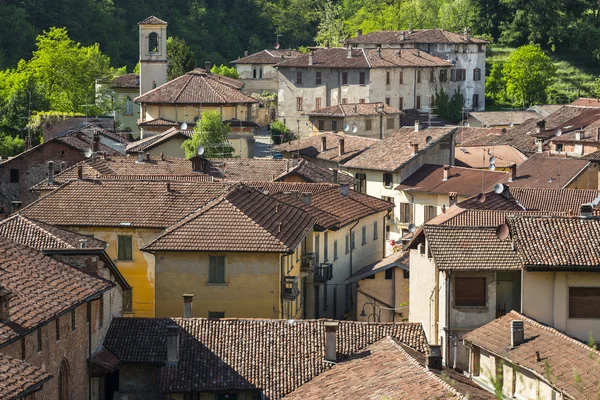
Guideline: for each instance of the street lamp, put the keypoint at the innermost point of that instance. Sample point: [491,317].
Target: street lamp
[375,314]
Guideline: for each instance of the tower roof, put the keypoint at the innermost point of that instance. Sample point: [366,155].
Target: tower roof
[152,20]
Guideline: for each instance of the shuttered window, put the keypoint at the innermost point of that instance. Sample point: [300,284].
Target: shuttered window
[125,247]
[583,302]
[470,292]
[216,269]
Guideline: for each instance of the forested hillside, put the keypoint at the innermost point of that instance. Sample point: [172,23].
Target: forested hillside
[220,30]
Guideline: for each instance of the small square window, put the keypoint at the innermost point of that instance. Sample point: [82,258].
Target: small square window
[334,126]
[389,273]
[14,175]
[368,126]
[470,292]
[216,314]
[388,179]
[321,125]
[390,123]
[559,147]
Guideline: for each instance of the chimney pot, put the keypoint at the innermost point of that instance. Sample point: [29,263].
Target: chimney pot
[63,165]
[517,332]
[446,170]
[307,198]
[310,57]
[95,142]
[434,358]
[415,148]
[246,53]
[417,125]
[50,173]
[147,156]
[344,189]
[341,147]
[331,328]
[359,32]
[162,156]
[140,156]
[335,176]
[188,299]
[80,172]
[586,210]
[323,143]
[207,66]
[540,126]
[513,172]
[172,345]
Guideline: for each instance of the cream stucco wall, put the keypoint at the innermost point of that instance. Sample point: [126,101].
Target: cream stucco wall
[391,291]
[257,85]
[127,121]
[546,299]
[423,293]
[180,113]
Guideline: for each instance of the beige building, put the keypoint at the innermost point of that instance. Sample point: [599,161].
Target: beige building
[153,53]
[257,70]
[374,120]
[126,88]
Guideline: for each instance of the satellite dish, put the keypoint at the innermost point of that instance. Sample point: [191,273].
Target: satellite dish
[492,160]
[276,45]
[88,153]
[511,124]
[200,150]
[346,127]
[412,228]
[354,129]
[502,231]
[492,167]
[465,123]
[481,197]
[428,140]
[498,188]
[184,126]
[558,132]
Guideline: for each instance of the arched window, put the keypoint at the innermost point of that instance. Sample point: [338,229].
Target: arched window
[128,106]
[63,381]
[153,42]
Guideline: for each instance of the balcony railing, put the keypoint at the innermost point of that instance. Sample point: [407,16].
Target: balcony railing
[290,287]
[323,273]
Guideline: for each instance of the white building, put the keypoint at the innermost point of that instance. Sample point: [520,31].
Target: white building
[257,70]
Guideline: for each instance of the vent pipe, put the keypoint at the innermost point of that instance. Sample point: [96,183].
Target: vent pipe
[446,170]
[50,173]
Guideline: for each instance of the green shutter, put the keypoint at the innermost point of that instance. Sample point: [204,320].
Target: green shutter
[125,247]
[216,269]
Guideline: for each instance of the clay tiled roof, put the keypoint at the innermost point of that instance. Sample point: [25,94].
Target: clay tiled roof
[41,288]
[117,203]
[478,156]
[413,36]
[491,218]
[353,109]
[290,187]
[157,122]
[382,370]
[557,200]
[242,220]
[152,20]
[42,236]
[586,102]
[275,356]
[470,248]
[495,118]
[545,171]
[267,57]
[560,356]
[324,220]
[126,81]
[365,59]
[393,152]
[397,259]
[465,182]
[17,378]
[156,140]
[561,243]
[491,201]
[466,134]
[197,87]
[311,146]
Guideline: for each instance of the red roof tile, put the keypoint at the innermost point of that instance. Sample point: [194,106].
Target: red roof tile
[586,102]
[478,156]
[152,20]
[553,172]
[413,36]
[495,118]
[126,81]
[267,57]
[17,378]
[353,109]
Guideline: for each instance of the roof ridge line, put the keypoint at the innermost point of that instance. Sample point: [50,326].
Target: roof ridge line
[185,85]
[30,222]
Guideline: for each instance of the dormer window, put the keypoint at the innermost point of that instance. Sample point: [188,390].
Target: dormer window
[153,42]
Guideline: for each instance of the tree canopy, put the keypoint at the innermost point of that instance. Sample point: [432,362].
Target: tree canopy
[181,58]
[211,133]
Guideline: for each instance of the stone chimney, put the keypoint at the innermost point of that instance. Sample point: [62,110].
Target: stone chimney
[5,296]
[434,358]
[586,210]
[323,143]
[403,35]
[80,172]
[96,142]
[540,146]
[50,173]
[310,57]
[358,32]
[331,328]
[207,66]
[467,34]
[415,148]
[446,170]
[147,156]
[335,176]
[341,151]
[344,189]
[579,134]
[172,345]
[512,175]
[410,29]
[417,125]
[246,53]
[349,55]
[140,156]
[540,126]
[517,332]
[306,198]
[188,299]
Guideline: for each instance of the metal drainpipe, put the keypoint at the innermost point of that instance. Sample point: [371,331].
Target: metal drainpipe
[281,287]
[448,312]
[90,354]
[351,249]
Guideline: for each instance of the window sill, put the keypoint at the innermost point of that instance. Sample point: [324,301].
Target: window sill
[216,284]
[129,261]
[482,308]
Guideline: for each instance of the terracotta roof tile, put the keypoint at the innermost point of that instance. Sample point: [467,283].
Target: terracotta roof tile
[390,58]
[269,56]
[17,378]
[311,146]
[470,248]
[478,156]
[156,140]
[495,118]
[246,354]
[380,371]
[157,122]
[466,135]
[324,220]
[197,87]
[562,356]
[462,181]
[290,187]
[126,81]
[586,102]
[152,20]
[544,171]
[413,36]
[555,200]
[391,153]
[259,222]
[491,218]
[41,287]
[42,236]
[353,109]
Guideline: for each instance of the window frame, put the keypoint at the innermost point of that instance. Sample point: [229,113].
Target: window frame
[362,78]
[418,76]
[298,77]
[335,250]
[153,45]
[321,125]
[363,232]
[334,127]
[477,74]
[298,103]
[387,77]
[344,78]
[429,213]
[469,282]
[318,78]
[368,124]
[389,274]
[221,314]
[401,80]
[443,75]
[216,277]
[390,123]
[388,179]
[317,103]
[124,253]
[14,175]
[375,230]
[361,178]
[405,212]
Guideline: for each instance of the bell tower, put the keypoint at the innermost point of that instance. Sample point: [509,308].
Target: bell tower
[153,53]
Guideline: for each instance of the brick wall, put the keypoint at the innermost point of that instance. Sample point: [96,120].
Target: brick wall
[72,347]
[33,168]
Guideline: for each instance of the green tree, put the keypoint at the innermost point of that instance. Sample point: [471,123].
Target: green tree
[211,133]
[280,132]
[11,145]
[449,107]
[224,70]
[494,83]
[331,27]
[456,15]
[181,58]
[528,72]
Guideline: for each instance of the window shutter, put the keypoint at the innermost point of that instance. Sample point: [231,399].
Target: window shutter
[583,302]
[470,292]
